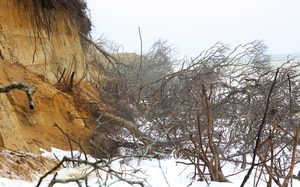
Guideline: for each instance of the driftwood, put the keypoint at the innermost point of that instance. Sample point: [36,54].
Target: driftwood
[21,86]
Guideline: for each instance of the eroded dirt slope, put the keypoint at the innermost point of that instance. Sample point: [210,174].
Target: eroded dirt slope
[28,130]
[38,41]
[43,50]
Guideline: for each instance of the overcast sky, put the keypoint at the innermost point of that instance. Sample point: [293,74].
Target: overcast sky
[195,25]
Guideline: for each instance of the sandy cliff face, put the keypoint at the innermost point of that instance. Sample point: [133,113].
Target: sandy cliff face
[43,48]
[38,39]
[23,129]
[28,130]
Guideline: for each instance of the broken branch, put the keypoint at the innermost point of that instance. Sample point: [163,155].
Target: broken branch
[21,86]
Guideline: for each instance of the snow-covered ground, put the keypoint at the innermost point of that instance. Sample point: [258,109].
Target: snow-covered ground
[156,173]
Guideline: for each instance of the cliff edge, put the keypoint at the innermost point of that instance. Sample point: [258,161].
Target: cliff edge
[38,41]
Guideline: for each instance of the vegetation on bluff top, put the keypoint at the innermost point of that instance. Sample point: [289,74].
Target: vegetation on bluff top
[43,13]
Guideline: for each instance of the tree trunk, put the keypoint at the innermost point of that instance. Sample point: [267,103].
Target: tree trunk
[126,124]
[244,161]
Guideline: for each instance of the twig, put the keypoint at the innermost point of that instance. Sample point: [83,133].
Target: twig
[163,173]
[71,139]
[1,55]
[62,75]
[290,173]
[105,167]
[111,59]
[58,159]
[260,131]
[50,171]
[235,173]
[141,59]
[290,93]
[71,81]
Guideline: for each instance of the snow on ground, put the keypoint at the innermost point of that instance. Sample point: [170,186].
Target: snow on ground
[156,173]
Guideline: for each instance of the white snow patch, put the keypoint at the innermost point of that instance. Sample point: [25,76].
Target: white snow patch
[157,173]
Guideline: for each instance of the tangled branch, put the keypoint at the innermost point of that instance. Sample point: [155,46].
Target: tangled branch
[260,131]
[101,165]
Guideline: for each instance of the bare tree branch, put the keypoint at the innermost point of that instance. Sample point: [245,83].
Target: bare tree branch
[260,131]
[21,86]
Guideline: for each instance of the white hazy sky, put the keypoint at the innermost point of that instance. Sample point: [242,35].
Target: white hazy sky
[195,25]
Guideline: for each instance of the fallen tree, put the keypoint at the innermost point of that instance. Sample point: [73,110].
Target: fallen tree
[206,127]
